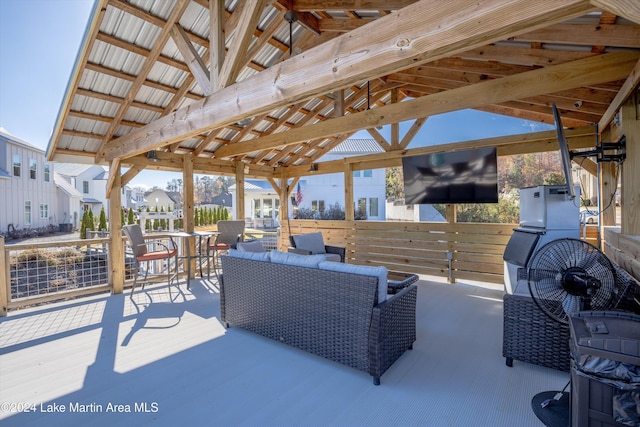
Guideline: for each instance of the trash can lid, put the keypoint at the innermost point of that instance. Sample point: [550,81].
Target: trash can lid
[611,335]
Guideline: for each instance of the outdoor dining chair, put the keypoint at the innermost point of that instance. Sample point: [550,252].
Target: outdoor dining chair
[229,234]
[146,251]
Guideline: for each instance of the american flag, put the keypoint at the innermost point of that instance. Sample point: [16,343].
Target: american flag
[298,195]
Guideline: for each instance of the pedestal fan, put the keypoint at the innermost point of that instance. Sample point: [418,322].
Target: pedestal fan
[566,276]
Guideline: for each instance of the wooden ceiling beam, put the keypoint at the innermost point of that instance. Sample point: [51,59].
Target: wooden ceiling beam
[585,34]
[364,53]
[332,5]
[523,56]
[195,63]
[250,11]
[545,80]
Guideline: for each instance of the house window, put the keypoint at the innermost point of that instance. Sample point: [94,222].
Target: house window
[256,208]
[373,206]
[356,174]
[317,206]
[16,165]
[47,171]
[268,208]
[362,206]
[32,168]
[85,187]
[367,173]
[27,213]
[44,211]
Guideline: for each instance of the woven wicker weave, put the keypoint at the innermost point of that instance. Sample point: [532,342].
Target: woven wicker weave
[330,314]
[529,335]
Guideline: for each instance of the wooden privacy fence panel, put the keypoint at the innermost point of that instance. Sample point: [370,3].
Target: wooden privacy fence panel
[456,251]
[471,251]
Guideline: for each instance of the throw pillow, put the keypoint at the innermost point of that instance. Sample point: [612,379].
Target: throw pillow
[289,258]
[252,246]
[380,272]
[312,242]
[256,256]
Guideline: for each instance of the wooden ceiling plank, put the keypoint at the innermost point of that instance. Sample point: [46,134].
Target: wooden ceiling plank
[174,17]
[454,27]
[629,9]
[194,62]
[545,80]
[249,17]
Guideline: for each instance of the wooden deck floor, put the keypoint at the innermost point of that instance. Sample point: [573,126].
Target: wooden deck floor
[172,363]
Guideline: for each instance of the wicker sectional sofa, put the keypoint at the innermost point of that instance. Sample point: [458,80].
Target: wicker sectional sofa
[328,313]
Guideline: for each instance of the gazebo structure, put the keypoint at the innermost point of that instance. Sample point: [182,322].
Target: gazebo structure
[264,88]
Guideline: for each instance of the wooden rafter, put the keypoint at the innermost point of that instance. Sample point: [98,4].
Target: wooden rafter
[589,70]
[292,84]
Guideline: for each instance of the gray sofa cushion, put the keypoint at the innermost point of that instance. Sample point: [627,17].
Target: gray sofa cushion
[312,242]
[365,270]
[252,246]
[256,256]
[289,258]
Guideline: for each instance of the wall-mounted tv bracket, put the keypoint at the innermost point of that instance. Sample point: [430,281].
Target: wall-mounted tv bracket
[605,151]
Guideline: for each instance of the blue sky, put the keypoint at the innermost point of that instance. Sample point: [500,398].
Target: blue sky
[39,41]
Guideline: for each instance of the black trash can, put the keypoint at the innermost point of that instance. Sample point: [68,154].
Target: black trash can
[605,369]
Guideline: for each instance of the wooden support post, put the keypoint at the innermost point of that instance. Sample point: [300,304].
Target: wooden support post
[284,211]
[451,218]
[188,207]
[239,208]
[630,200]
[5,291]
[116,247]
[608,187]
[349,211]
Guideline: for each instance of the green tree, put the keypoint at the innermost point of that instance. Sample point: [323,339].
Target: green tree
[131,219]
[394,183]
[102,222]
[83,226]
[122,215]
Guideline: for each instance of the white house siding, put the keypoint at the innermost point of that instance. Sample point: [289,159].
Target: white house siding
[329,188]
[94,194]
[15,191]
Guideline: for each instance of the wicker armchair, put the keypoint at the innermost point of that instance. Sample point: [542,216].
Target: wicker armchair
[313,243]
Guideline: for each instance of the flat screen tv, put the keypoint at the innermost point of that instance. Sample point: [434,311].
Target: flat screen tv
[465,176]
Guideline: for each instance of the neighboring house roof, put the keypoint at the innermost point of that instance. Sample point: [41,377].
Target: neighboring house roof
[173,195]
[254,186]
[104,175]
[357,146]
[74,169]
[91,200]
[7,136]
[64,185]
[223,199]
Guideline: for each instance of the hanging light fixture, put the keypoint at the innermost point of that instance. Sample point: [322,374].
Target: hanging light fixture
[152,156]
[290,16]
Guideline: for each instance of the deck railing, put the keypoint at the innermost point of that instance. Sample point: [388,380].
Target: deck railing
[37,273]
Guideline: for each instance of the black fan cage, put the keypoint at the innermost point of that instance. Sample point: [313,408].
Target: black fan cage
[553,263]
